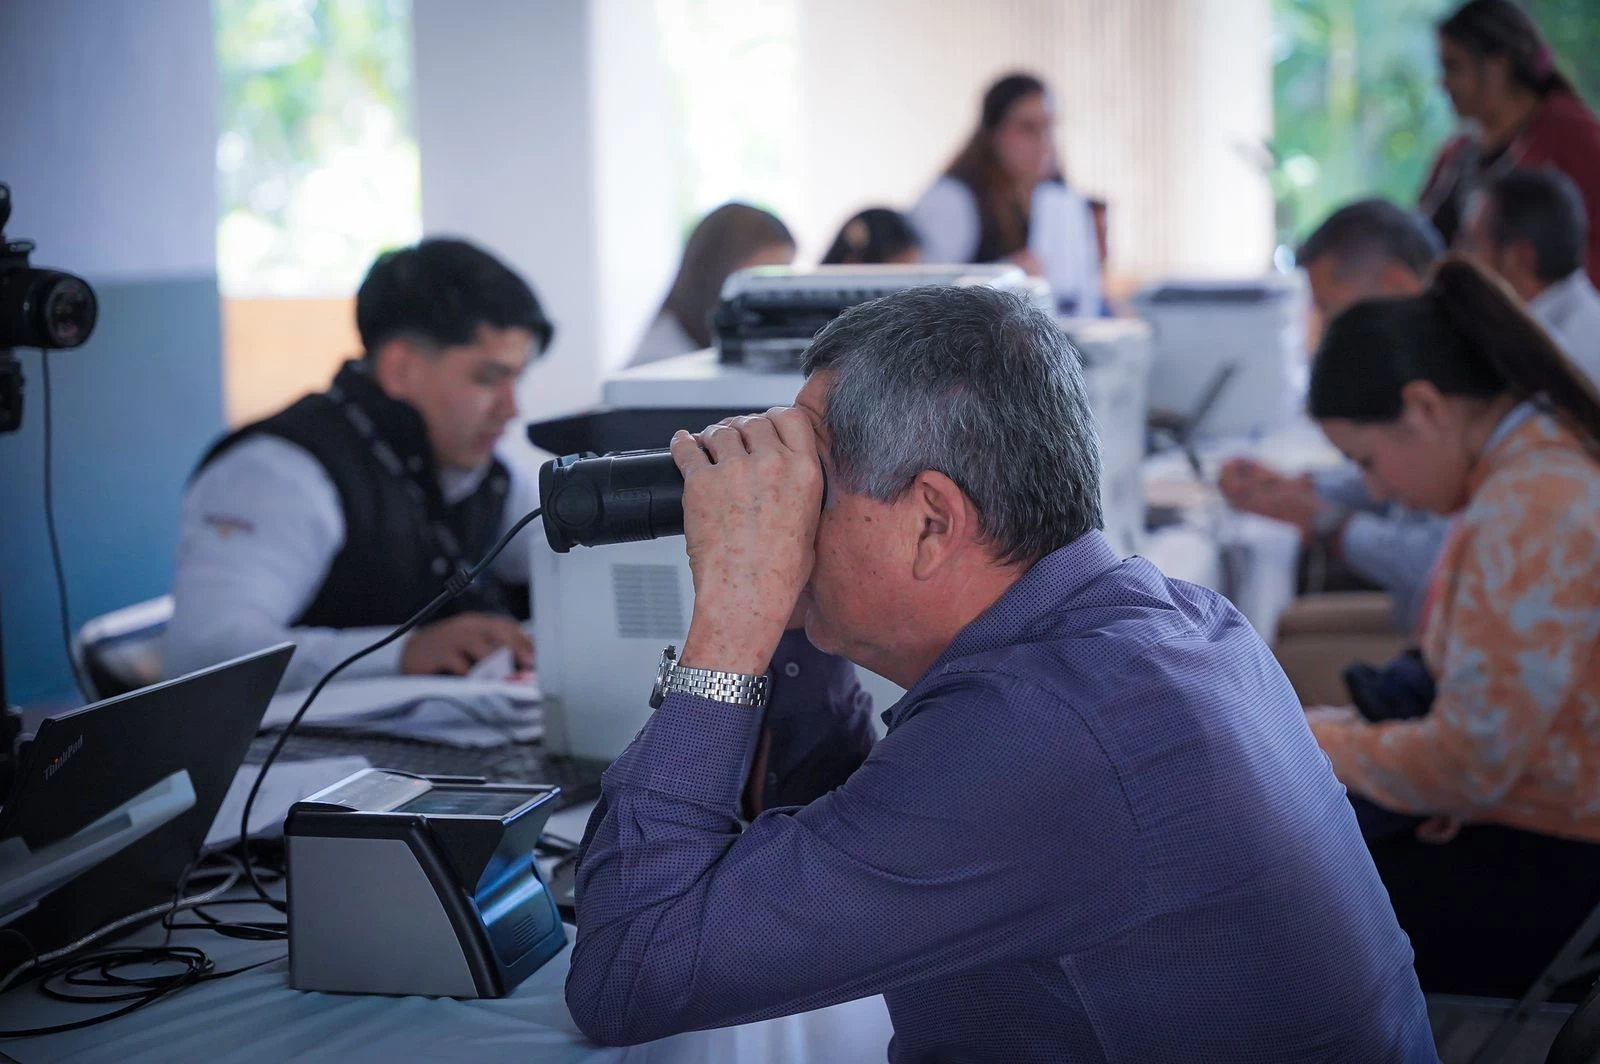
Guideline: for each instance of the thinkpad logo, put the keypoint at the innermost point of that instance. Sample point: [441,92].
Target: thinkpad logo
[62,758]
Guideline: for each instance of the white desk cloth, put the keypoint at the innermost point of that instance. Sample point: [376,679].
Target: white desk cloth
[257,1017]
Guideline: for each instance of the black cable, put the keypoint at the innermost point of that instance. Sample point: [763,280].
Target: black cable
[50,529]
[101,969]
[453,587]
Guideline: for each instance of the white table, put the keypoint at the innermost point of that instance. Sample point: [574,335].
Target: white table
[257,1017]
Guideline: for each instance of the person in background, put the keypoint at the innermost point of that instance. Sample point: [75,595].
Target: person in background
[730,238]
[1520,111]
[334,520]
[1529,227]
[874,237]
[1455,401]
[1370,248]
[1004,199]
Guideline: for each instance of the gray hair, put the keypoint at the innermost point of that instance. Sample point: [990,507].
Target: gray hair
[1361,237]
[976,384]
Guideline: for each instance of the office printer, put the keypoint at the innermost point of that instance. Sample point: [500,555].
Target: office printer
[768,314]
[1199,329]
[602,617]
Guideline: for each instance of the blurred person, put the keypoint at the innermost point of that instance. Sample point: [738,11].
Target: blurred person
[1529,227]
[730,238]
[1098,792]
[334,520]
[874,237]
[1004,199]
[1370,248]
[1457,402]
[1518,109]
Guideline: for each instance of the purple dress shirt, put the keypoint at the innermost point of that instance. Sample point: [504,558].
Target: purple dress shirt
[1098,829]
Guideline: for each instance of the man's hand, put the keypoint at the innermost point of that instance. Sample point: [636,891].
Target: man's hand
[752,492]
[451,647]
[1254,488]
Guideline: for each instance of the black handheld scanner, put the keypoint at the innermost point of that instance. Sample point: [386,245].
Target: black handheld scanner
[591,499]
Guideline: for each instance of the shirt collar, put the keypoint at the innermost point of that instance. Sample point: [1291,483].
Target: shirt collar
[1033,599]
[1556,303]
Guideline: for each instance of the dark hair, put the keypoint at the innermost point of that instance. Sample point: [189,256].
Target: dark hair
[1467,335]
[440,291]
[978,166]
[1544,208]
[974,383]
[723,241]
[873,236]
[1364,235]
[1502,28]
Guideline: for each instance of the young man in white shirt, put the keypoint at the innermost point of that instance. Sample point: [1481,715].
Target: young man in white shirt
[334,520]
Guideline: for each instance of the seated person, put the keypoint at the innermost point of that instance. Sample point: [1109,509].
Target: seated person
[1457,402]
[1529,227]
[875,236]
[1098,827]
[1368,249]
[336,519]
[731,238]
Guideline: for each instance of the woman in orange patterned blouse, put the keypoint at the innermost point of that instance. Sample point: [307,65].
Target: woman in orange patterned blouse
[1455,401]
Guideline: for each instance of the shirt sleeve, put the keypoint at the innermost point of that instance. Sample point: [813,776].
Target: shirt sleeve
[923,864]
[1062,236]
[260,527]
[1395,551]
[1522,629]
[946,218]
[1343,486]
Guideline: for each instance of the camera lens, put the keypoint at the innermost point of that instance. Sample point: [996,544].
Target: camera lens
[45,308]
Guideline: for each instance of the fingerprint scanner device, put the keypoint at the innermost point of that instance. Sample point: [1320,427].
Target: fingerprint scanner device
[404,884]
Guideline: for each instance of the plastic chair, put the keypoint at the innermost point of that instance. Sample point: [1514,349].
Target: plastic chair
[120,651]
[1578,1042]
[1572,962]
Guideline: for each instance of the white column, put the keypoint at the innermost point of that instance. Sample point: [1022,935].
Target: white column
[543,132]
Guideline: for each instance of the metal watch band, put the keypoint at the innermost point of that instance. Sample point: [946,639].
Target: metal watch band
[733,687]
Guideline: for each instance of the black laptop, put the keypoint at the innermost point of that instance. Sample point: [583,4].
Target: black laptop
[177,744]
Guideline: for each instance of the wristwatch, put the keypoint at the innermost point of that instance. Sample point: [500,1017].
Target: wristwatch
[734,687]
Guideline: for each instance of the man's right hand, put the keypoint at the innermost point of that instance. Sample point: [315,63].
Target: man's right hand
[451,647]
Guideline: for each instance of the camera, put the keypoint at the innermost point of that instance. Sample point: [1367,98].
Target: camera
[47,309]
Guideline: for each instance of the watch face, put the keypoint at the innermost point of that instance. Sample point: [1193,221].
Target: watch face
[669,658]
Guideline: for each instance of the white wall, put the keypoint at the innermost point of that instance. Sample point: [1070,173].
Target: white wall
[108,134]
[552,159]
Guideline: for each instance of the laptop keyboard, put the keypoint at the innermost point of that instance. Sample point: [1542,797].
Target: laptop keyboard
[579,780]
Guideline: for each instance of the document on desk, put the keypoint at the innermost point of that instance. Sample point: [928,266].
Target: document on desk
[455,710]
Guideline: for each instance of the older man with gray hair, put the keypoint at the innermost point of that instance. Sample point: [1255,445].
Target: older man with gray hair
[1098,827]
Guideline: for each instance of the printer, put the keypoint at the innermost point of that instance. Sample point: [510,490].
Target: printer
[768,314]
[1248,336]
[601,617]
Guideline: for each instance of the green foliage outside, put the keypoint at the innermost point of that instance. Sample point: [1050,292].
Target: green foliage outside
[317,166]
[1358,107]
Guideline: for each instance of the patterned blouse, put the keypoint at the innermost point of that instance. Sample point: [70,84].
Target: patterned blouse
[1512,637]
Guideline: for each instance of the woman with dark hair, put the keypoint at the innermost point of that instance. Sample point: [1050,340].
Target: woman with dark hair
[730,238]
[1455,401]
[1003,199]
[1520,111]
[873,237]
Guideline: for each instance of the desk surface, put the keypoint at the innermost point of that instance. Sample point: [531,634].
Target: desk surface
[256,1017]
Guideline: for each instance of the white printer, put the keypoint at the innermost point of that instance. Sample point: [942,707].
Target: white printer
[601,616]
[1249,334]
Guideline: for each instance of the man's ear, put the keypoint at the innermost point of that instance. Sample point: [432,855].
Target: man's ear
[945,521]
[394,367]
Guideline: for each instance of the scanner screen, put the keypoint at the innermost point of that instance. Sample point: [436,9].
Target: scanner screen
[466,803]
